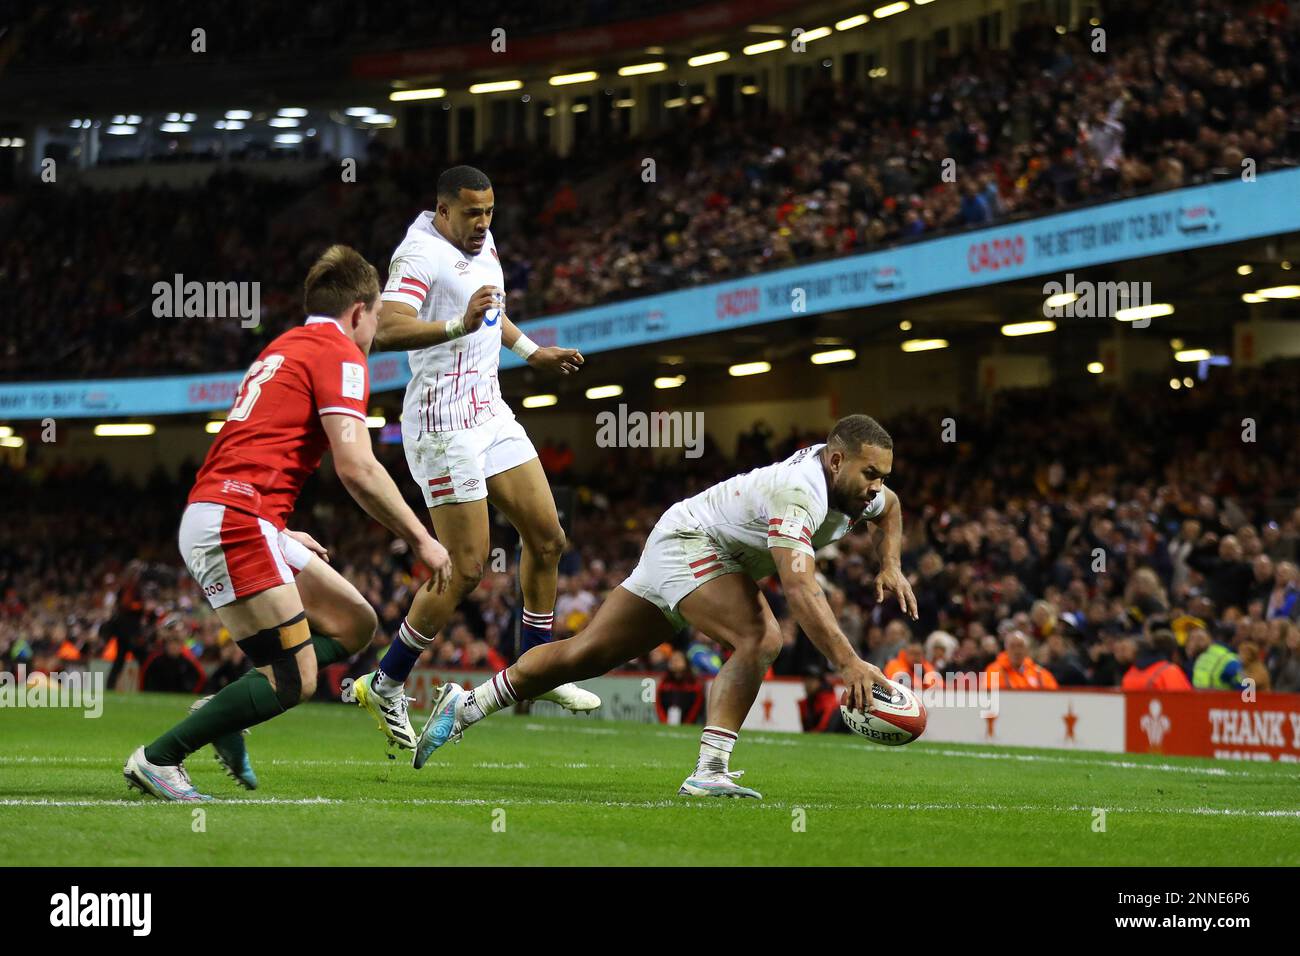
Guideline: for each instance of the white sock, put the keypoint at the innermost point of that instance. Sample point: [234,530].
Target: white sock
[715,749]
[487,698]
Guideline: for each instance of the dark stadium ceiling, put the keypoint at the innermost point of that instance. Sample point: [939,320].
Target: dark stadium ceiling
[1203,286]
[323,79]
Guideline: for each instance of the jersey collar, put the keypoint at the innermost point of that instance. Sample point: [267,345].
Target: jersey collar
[318,319]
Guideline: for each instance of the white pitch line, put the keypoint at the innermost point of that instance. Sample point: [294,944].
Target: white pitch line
[664,804]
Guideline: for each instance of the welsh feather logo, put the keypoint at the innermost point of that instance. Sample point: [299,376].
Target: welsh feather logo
[1154,724]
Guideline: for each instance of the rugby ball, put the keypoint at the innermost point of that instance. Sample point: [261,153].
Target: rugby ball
[898,716]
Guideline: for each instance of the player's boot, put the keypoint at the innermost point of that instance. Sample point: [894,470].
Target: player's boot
[165,783]
[571,697]
[443,724]
[716,783]
[231,753]
[389,712]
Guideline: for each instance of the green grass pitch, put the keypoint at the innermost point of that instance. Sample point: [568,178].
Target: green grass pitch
[522,790]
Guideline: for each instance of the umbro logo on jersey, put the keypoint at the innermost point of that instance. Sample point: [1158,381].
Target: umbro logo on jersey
[469,484]
[462,265]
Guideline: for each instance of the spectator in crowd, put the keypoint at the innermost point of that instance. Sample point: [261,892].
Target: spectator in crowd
[1213,666]
[680,697]
[1154,668]
[1014,669]
[909,664]
[819,711]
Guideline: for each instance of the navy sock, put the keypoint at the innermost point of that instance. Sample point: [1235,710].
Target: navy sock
[535,629]
[403,653]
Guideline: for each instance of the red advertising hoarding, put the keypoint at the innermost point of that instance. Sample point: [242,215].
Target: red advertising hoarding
[1214,724]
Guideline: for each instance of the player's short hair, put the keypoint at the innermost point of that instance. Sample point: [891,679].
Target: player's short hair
[338,280]
[453,180]
[854,432]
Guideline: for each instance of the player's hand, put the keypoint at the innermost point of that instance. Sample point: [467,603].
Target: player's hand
[858,678]
[310,543]
[892,579]
[551,358]
[437,560]
[486,298]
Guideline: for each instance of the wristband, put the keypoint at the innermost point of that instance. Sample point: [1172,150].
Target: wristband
[524,347]
[455,328]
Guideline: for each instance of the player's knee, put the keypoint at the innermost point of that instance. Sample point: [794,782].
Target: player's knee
[769,647]
[363,626]
[548,547]
[467,572]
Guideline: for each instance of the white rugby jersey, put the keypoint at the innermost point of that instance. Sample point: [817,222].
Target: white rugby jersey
[454,384]
[783,505]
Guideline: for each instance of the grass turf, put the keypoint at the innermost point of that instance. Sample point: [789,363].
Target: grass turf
[532,791]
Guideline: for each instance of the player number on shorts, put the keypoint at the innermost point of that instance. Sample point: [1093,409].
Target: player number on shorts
[259,373]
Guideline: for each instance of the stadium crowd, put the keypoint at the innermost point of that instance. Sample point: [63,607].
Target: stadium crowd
[1184,93]
[1147,543]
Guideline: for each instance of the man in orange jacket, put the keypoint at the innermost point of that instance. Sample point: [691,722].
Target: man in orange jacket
[1154,669]
[902,667]
[1013,669]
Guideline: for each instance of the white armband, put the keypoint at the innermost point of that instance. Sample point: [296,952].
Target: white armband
[455,328]
[524,347]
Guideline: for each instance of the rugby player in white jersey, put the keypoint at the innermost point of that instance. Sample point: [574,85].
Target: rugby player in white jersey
[699,567]
[444,303]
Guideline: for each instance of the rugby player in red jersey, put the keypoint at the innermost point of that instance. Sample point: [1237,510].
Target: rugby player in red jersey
[287,609]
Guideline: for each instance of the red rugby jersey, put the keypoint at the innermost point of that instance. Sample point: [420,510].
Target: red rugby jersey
[273,437]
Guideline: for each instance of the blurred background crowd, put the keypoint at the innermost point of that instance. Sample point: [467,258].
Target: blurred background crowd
[1142,537]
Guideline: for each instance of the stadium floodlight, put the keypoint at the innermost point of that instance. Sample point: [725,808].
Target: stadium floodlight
[638,69]
[1144,312]
[905,325]
[379,119]
[1061,299]
[124,430]
[18,142]
[1285,263]
[765,28]
[402,96]
[1187,382]
[6,431]
[604,391]
[189,117]
[579,108]
[376,421]
[1175,384]
[1245,269]
[568,79]
[923,345]
[1192,355]
[499,86]
[119,118]
[670,381]
[833,356]
[120,130]
[767,46]
[286,122]
[135,119]
[749,368]
[704,59]
[697,100]
[540,401]
[921,3]
[848,23]
[213,427]
[230,124]
[549,111]
[174,127]
[1096,368]
[749,89]
[1036,327]
[292,112]
[624,104]
[12,441]
[1280,292]
[675,102]
[1252,298]
[816,33]
[288,139]
[173,117]
[889,9]
[239,114]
